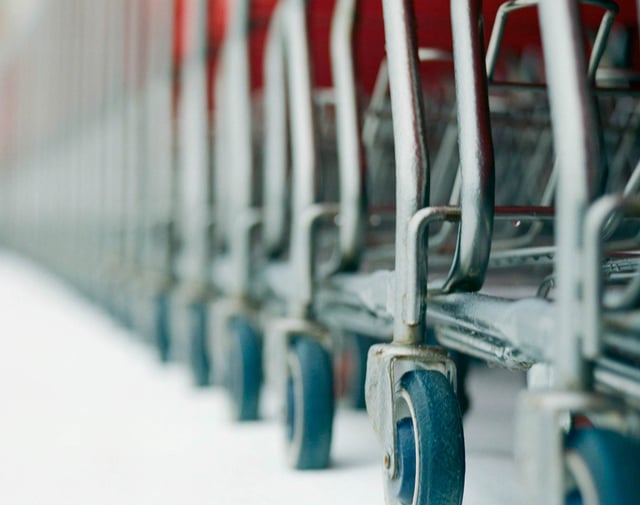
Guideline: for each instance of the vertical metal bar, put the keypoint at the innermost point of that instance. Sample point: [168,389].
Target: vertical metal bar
[114,160]
[602,36]
[158,117]
[104,155]
[304,155]
[140,124]
[238,93]
[303,142]
[192,145]
[576,142]
[221,172]
[493,48]
[476,149]
[348,134]
[132,167]
[276,135]
[412,164]
[120,160]
[378,97]
[93,69]
[75,163]
[237,87]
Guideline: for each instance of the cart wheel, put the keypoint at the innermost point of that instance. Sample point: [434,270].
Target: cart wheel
[462,368]
[309,404]
[430,442]
[161,330]
[603,464]
[357,352]
[199,351]
[244,375]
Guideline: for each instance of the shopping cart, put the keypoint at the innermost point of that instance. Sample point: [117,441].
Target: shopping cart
[192,215]
[235,329]
[153,164]
[410,386]
[461,203]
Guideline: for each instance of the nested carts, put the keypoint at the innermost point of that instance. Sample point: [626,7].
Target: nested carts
[303,200]
[410,386]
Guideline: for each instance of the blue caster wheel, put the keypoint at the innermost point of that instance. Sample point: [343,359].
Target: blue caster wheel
[430,440]
[161,335]
[603,466]
[357,353]
[309,404]
[462,368]
[199,352]
[244,375]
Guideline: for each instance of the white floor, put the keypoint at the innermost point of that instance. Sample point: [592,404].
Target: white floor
[88,417]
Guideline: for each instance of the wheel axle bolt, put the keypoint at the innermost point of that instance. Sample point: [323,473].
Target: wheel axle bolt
[387,461]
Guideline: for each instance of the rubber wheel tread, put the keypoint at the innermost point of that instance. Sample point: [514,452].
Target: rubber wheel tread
[612,459]
[200,364]
[310,405]
[438,439]
[245,370]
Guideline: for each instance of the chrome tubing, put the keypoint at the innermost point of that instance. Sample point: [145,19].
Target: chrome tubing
[476,149]
[412,161]
[276,146]
[350,151]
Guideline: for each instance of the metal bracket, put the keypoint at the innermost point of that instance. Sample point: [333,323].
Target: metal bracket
[385,366]
[303,255]
[241,249]
[539,445]
[222,311]
[278,335]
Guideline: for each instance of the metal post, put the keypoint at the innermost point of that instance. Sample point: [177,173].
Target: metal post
[275,141]
[577,145]
[192,144]
[476,149]
[350,152]
[412,163]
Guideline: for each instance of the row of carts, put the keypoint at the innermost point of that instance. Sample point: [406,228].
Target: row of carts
[357,199]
